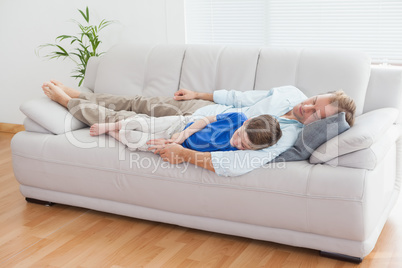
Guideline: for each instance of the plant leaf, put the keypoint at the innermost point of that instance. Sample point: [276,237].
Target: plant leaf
[62,37]
[83,45]
[86,17]
[63,50]
[87,14]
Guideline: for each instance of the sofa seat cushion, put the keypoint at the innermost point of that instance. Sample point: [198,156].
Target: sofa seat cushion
[100,167]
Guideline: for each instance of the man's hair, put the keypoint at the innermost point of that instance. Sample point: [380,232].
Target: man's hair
[345,104]
[263,131]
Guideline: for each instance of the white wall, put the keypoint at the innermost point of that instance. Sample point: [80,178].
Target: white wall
[26,24]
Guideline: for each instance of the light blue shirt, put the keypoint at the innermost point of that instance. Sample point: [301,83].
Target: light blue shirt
[276,102]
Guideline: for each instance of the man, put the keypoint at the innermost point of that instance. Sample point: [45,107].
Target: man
[287,104]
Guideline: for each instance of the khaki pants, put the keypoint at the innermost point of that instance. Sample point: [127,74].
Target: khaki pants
[91,108]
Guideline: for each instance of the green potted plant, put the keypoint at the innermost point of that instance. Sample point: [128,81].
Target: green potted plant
[80,47]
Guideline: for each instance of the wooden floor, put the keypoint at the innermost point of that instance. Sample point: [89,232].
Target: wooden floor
[60,236]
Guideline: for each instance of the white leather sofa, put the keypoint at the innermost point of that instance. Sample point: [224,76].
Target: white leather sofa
[338,204]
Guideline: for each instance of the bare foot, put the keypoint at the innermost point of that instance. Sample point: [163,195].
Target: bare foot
[73,93]
[101,128]
[56,94]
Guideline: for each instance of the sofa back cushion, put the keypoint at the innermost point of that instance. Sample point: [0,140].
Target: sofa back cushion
[149,70]
[207,68]
[152,70]
[315,71]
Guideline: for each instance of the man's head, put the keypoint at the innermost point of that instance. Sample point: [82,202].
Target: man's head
[257,133]
[322,106]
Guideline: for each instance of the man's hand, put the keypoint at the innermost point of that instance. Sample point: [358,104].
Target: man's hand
[169,152]
[185,94]
[176,154]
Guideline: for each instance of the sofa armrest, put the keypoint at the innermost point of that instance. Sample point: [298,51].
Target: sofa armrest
[50,115]
[32,126]
[367,129]
[370,157]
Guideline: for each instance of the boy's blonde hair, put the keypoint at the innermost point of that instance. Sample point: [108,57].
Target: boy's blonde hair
[263,131]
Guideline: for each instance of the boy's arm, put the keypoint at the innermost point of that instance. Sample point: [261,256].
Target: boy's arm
[195,127]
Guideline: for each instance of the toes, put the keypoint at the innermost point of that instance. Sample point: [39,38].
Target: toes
[47,93]
[46,90]
[51,85]
[57,83]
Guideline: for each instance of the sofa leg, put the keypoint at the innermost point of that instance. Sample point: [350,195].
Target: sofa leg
[40,202]
[340,257]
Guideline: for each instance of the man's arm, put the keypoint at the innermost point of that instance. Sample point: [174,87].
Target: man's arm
[176,154]
[185,94]
[231,98]
[240,99]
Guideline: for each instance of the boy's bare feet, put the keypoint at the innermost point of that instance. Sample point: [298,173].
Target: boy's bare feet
[98,129]
[56,94]
[73,93]
[102,128]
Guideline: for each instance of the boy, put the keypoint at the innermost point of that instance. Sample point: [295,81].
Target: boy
[223,132]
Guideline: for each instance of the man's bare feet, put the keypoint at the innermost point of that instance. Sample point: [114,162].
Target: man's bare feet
[102,128]
[56,94]
[73,93]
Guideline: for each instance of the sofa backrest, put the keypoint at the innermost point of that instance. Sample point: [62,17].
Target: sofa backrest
[151,70]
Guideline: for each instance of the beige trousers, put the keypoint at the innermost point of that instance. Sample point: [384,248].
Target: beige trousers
[91,108]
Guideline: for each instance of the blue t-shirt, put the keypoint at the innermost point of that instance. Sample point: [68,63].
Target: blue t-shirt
[216,136]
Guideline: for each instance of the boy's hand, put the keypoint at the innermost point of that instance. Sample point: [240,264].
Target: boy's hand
[185,94]
[157,143]
[177,138]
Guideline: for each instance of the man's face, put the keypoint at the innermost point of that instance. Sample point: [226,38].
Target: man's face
[314,108]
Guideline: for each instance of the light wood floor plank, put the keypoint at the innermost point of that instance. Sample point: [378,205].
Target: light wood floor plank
[62,236]
[11,128]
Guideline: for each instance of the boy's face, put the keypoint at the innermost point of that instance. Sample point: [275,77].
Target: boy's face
[240,139]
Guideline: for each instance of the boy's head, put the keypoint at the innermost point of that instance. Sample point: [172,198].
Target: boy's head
[257,133]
